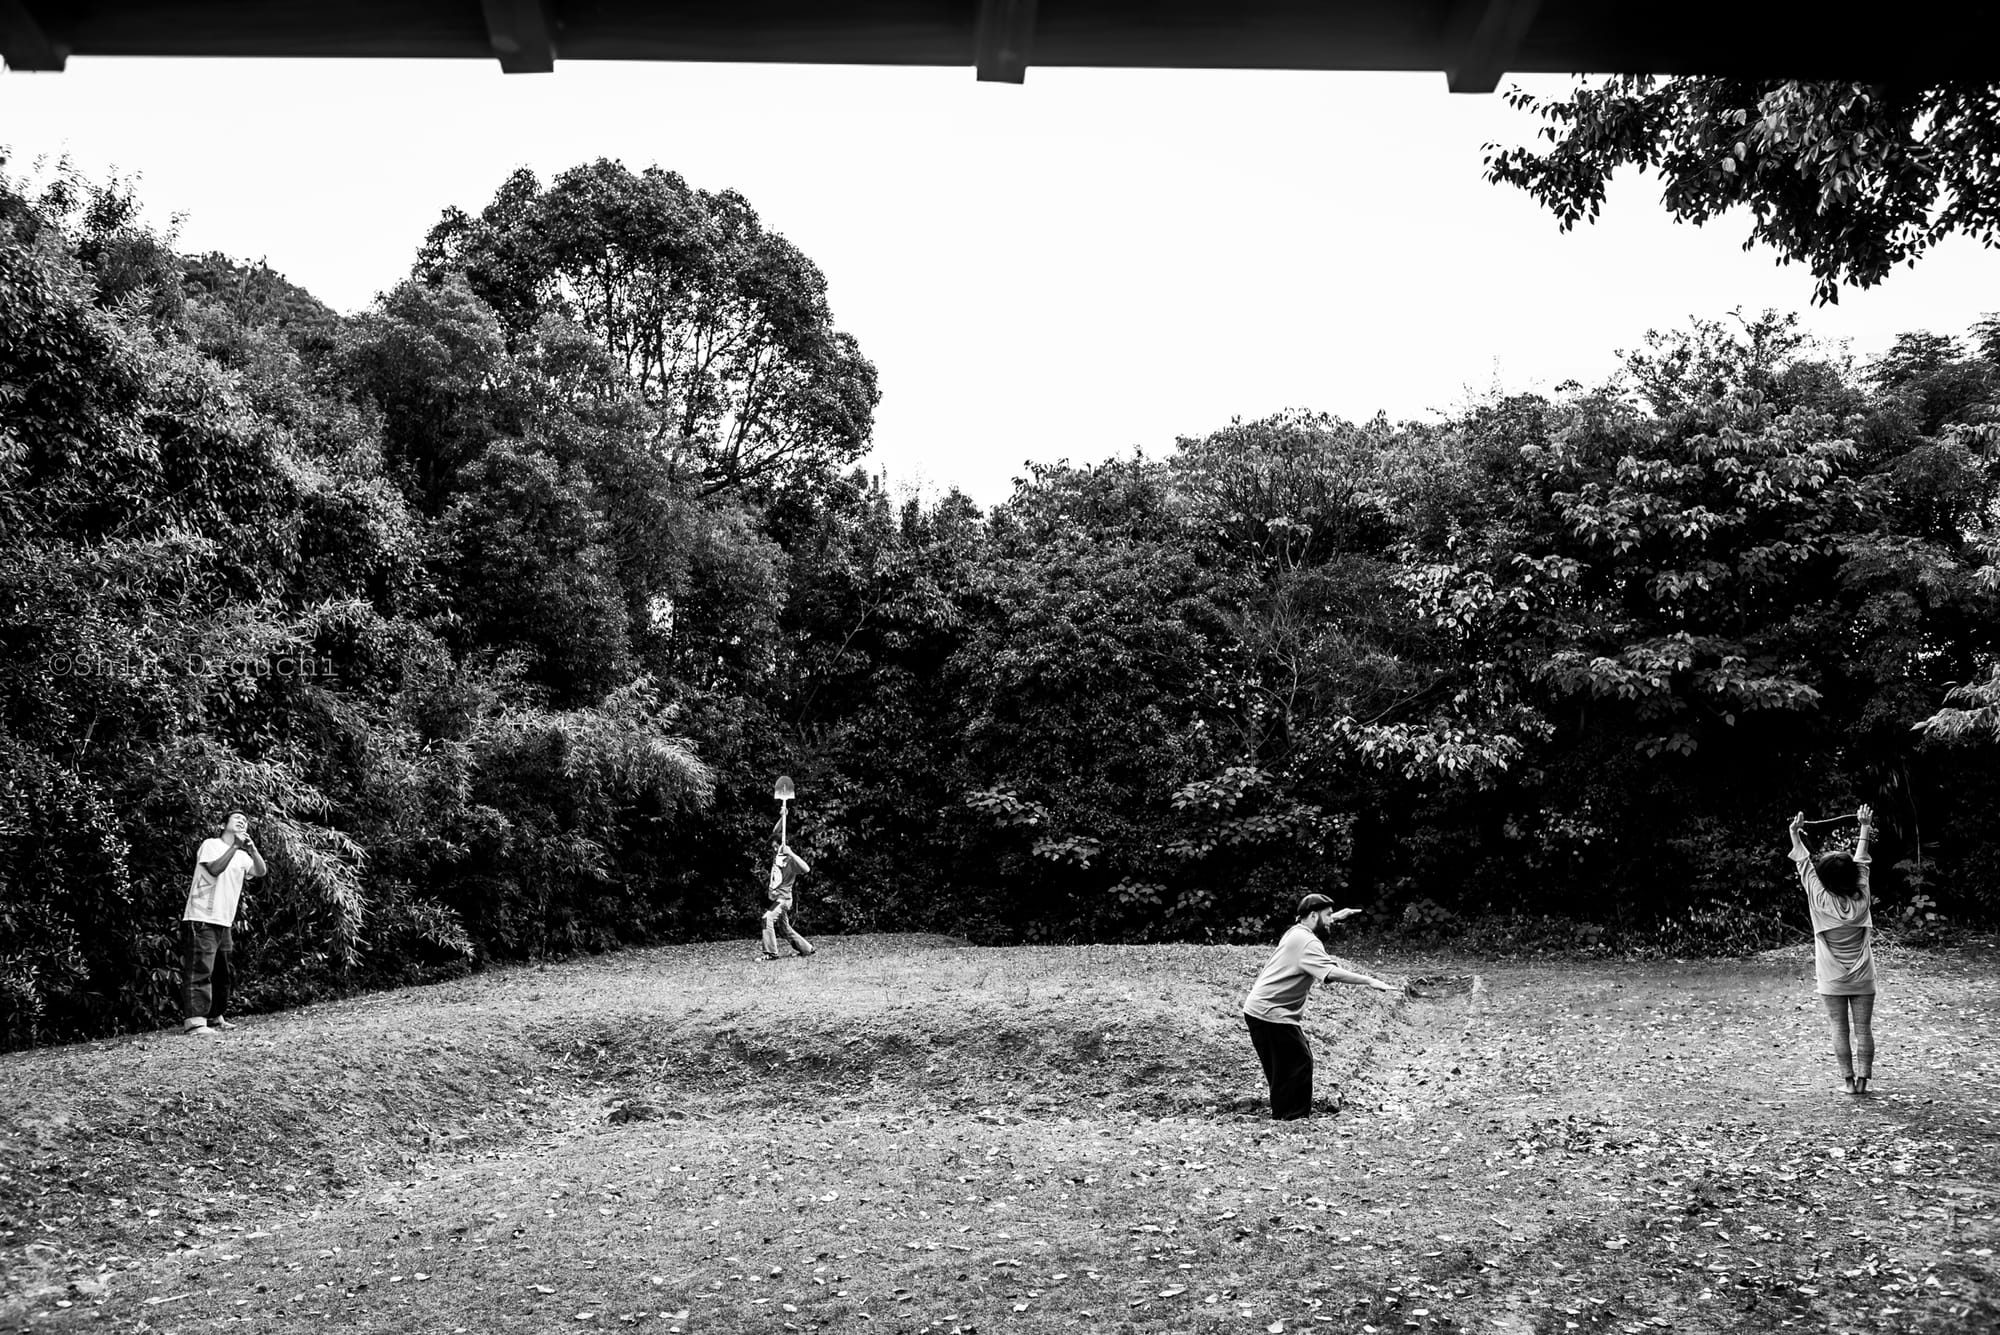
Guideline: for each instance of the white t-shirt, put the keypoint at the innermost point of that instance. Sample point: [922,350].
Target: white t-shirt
[213,898]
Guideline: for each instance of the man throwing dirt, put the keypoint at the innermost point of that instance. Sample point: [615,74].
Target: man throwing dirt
[1277,998]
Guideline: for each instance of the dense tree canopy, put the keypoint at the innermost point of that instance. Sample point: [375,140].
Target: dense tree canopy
[721,327]
[498,614]
[1850,179]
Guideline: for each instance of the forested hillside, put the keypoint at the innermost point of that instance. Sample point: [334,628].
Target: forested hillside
[499,604]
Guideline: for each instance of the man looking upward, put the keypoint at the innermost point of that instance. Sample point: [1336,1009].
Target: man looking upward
[219,869]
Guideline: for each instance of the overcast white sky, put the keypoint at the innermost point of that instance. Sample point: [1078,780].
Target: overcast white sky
[1069,268]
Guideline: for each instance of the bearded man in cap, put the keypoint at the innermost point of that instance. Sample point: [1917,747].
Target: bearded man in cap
[1278,997]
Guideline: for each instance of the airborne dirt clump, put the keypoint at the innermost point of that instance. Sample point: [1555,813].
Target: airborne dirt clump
[933,1136]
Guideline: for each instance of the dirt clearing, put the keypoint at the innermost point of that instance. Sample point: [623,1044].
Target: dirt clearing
[906,1134]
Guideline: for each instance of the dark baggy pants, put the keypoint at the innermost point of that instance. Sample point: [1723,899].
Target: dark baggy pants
[205,952]
[1288,1066]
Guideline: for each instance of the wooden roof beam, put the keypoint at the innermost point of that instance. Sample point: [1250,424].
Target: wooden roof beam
[1482,37]
[25,44]
[1000,48]
[520,33]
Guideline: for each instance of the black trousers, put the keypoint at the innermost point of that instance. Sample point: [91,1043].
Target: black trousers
[1288,1066]
[205,952]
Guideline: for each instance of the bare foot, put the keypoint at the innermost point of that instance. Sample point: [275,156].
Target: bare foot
[1847,1085]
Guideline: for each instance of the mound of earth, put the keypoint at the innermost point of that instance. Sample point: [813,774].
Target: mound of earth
[1152,1029]
[306,1104]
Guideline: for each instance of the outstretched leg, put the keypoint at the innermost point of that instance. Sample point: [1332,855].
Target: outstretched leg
[1861,1016]
[1837,1027]
[800,946]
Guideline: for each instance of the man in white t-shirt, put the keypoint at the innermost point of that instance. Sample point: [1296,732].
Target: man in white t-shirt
[1278,997]
[219,869]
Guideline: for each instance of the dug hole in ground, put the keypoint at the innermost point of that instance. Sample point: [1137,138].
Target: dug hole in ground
[908,1134]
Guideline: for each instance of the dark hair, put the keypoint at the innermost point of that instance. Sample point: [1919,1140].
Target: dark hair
[1839,874]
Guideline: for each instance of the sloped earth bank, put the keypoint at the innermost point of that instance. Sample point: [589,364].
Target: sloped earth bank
[903,1134]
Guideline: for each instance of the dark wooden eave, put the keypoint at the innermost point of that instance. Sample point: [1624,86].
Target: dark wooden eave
[1473,42]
